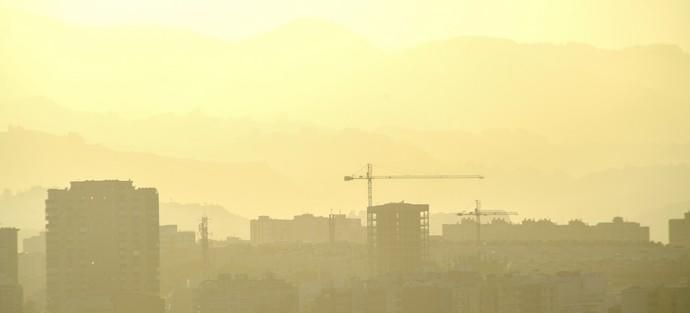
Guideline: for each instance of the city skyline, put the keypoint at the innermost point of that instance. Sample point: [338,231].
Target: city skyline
[362,156]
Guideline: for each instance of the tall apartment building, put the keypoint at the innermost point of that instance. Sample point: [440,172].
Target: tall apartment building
[306,228]
[617,230]
[10,291]
[679,231]
[102,247]
[398,237]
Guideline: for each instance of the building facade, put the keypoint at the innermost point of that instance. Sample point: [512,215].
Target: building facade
[102,245]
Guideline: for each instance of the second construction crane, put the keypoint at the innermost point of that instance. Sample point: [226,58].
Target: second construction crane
[477,213]
[369,177]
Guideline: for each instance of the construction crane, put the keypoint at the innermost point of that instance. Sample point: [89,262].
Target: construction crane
[370,177]
[477,213]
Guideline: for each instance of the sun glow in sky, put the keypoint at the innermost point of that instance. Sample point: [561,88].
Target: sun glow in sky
[395,23]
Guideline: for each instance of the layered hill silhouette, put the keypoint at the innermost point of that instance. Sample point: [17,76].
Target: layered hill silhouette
[566,130]
[313,70]
[39,159]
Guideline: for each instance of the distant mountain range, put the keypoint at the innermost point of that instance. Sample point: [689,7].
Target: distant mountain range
[270,124]
[39,159]
[316,71]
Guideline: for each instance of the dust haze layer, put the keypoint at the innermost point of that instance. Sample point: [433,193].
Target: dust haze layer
[311,70]
[562,131]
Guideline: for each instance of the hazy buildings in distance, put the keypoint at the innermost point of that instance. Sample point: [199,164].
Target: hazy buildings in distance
[306,228]
[174,240]
[538,292]
[34,244]
[398,237]
[546,230]
[102,248]
[11,299]
[469,292]
[679,231]
[32,274]
[657,299]
[239,293]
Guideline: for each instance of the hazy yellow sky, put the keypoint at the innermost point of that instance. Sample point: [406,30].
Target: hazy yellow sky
[564,131]
[394,23]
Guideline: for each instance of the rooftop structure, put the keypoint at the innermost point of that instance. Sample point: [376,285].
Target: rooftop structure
[306,228]
[545,230]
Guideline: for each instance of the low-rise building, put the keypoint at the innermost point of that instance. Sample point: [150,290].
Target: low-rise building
[307,228]
[498,230]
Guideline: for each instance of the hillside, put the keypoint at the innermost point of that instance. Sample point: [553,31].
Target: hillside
[270,124]
[39,159]
[316,71]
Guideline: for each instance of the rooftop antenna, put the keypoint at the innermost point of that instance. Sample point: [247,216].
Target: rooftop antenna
[203,232]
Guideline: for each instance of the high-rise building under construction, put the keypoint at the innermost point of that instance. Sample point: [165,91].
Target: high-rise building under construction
[398,237]
[102,247]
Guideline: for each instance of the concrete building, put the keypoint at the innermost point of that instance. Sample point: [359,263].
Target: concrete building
[11,298]
[679,231]
[102,242]
[398,237]
[499,230]
[240,294]
[306,228]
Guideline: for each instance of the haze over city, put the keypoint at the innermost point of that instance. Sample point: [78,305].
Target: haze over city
[571,111]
